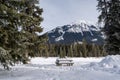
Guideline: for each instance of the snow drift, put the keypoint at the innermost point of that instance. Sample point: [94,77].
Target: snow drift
[110,61]
[108,64]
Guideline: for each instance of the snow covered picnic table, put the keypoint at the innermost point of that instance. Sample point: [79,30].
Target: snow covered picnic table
[64,61]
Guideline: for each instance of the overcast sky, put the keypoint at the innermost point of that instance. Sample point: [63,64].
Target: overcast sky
[61,12]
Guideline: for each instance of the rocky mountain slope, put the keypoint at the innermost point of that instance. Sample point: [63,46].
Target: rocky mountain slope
[76,32]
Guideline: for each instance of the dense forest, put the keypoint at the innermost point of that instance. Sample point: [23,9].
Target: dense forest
[72,50]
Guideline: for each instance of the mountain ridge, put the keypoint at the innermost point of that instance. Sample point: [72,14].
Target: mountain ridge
[75,32]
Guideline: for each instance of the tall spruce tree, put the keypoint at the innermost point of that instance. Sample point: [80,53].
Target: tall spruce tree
[110,15]
[19,22]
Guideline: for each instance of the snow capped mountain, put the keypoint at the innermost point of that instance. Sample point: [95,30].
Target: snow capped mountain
[76,32]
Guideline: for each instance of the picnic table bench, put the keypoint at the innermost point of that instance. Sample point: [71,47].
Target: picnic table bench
[64,61]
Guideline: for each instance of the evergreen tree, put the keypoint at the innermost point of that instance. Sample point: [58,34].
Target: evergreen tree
[79,50]
[110,14]
[84,48]
[19,22]
[94,50]
[64,51]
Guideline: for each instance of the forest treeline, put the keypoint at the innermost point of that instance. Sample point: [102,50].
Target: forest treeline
[71,50]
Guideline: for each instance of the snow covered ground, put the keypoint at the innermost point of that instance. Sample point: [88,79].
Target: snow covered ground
[107,68]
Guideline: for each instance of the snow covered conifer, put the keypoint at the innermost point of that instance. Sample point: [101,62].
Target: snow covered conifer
[19,22]
[110,15]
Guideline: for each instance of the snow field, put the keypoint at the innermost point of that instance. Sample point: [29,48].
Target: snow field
[39,68]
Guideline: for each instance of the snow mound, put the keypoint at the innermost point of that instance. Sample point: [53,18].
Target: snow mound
[110,61]
[110,64]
